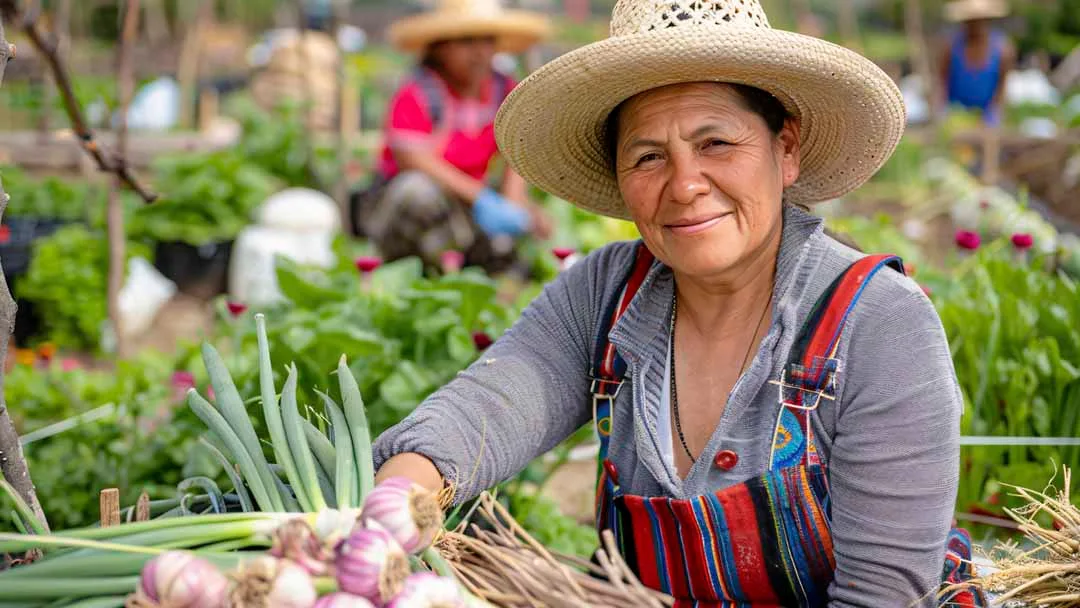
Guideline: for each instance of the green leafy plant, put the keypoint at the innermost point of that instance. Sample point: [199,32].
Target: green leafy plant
[207,198]
[67,281]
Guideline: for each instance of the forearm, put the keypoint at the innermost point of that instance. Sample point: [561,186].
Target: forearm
[415,467]
[514,186]
[449,177]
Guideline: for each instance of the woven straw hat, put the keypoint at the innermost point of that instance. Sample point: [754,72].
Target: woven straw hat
[551,125]
[515,31]
[966,10]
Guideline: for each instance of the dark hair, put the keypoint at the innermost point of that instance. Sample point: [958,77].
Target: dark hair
[760,102]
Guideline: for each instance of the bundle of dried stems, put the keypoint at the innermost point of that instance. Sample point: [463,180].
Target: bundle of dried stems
[502,564]
[1047,573]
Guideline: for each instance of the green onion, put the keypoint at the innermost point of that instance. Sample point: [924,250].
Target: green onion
[24,509]
[345,480]
[220,427]
[232,409]
[272,413]
[353,403]
[298,444]
[321,447]
[230,470]
[33,589]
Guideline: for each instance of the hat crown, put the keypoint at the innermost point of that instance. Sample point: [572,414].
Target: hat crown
[640,16]
[470,7]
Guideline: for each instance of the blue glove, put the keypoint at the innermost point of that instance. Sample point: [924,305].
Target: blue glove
[495,215]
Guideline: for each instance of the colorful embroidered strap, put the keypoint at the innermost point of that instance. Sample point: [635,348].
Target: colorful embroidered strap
[608,367]
[810,373]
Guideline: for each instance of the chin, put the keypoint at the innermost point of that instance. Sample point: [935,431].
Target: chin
[704,259]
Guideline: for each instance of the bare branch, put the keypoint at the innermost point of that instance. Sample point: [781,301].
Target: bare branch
[9,12]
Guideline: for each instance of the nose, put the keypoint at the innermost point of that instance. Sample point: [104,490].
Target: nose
[688,182]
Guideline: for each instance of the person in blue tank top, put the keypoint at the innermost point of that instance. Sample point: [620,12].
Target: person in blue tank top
[975,58]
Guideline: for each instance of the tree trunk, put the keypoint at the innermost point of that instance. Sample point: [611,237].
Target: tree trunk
[115,215]
[12,463]
[61,31]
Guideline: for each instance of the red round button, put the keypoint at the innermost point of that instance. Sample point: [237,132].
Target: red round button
[726,460]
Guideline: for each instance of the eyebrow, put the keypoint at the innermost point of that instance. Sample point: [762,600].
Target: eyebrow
[652,143]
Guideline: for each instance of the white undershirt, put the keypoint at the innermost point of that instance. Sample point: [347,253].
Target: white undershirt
[663,418]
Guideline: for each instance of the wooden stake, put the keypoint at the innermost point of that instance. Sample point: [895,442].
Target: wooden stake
[188,71]
[12,463]
[115,215]
[109,502]
[142,507]
[208,108]
[916,42]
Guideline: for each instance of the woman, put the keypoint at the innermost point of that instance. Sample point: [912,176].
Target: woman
[974,61]
[430,193]
[778,415]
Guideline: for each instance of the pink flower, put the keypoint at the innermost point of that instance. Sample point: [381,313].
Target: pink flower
[452,261]
[562,252]
[236,308]
[70,365]
[965,239]
[927,290]
[180,383]
[909,269]
[1022,241]
[984,204]
[367,263]
[481,340]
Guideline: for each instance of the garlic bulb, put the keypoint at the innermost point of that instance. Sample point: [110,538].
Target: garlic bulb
[179,579]
[340,599]
[371,564]
[268,582]
[429,590]
[407,511]
[297,541]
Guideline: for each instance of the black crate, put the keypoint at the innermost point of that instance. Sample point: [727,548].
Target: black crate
[200,271]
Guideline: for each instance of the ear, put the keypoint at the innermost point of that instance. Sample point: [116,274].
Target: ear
[789,148]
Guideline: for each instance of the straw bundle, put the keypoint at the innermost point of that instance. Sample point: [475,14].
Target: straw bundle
[1048,574]
[506,567]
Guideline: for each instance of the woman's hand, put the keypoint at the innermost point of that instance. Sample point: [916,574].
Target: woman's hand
[412,466]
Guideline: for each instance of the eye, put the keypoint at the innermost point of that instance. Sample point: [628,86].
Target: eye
[714,143]
[648,157]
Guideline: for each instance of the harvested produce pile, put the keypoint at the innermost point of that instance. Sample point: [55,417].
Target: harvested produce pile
[502,564]
[1047,574]
[313,528]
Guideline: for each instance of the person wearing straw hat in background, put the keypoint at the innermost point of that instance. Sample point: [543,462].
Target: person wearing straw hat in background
[975,59]
[430,193]
[777,414]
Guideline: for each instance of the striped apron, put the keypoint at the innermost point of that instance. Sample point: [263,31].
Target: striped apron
[764,542]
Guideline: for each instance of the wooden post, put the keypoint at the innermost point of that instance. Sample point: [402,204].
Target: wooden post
[142,507]
[347,109]
[917,51]
[991,153]
[12,463]
[188,71]
[115,215]
[208,108]
[109,503]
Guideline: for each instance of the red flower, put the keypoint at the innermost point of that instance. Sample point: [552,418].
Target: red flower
[70,365]
[965,239]
[984,204]
[47,351]
[909,269]
[929,292]
[367,263]
[481,340]
[452,261]
[5,233]
[1022,241]
[236,308]
[183,380]
[562,252]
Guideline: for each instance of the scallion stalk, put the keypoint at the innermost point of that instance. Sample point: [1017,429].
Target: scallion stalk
[345,481]
[353,404]
[272,414]
[298,445]
[232,409]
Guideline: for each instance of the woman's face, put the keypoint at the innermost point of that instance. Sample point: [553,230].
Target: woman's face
[465,61]
[703,176]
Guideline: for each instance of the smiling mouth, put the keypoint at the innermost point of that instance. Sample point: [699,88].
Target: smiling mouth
[696,226]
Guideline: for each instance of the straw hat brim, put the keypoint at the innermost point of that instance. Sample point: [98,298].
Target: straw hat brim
[515,31]
[550,128]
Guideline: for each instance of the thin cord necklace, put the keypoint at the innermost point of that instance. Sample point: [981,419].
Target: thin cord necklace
[673,391]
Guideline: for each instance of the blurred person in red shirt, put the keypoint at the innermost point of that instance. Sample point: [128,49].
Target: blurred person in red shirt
[431,192]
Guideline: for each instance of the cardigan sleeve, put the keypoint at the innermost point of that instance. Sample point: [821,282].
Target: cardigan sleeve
[524,395]
[894,466]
